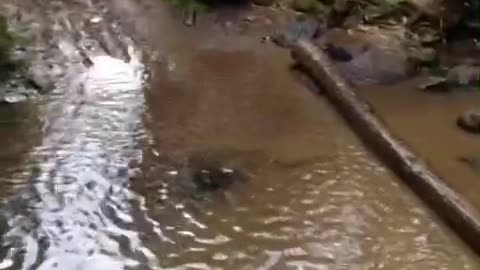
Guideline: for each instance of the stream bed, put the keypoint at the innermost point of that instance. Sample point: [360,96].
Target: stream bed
[102,173]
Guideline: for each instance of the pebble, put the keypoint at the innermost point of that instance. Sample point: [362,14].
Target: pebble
[13,98]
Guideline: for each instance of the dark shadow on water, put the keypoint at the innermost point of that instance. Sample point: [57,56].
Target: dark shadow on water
[20,131]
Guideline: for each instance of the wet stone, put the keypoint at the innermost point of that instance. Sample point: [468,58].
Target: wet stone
[357,55]
[435,84]
[366,69]
[337,53]
[59,223]
[38,78]
[122,172]
[91,185]
[265,3]
[470,121]
[423,55]
[464,75]
[11,98]
[304,27]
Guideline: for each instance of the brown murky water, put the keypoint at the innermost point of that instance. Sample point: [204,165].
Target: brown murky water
[313,196]
[426,121]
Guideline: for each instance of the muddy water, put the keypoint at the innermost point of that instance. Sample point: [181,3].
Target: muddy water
[426,121]
[112,187]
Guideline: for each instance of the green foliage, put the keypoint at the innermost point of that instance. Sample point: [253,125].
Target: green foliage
[6,46]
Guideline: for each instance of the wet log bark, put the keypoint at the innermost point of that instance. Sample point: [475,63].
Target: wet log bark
[458,213]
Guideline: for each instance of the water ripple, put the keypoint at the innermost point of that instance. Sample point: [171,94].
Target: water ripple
[78,213]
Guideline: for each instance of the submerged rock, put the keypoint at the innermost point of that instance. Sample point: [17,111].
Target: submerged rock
[470,121]
[215,178]
[210,173]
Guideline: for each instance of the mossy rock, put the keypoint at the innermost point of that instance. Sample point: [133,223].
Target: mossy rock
[6,46]
[308,6]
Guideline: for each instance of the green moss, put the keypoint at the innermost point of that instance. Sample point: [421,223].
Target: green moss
[6,46]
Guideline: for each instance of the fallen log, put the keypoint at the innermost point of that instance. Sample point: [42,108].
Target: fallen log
[458,213]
